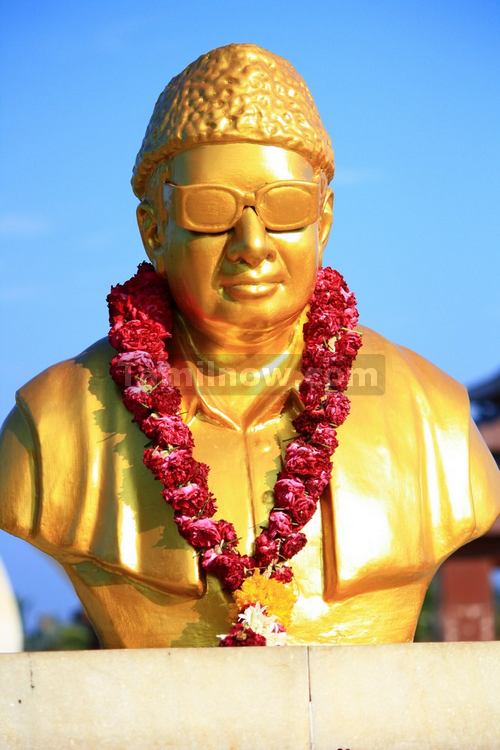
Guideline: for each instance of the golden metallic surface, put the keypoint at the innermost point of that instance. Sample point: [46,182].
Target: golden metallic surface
[409,487]
[240,291]
[412,479]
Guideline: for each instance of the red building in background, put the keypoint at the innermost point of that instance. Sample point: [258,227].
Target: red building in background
[467,596]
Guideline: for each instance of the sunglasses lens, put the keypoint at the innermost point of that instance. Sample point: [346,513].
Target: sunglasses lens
[288,206]
[212,209]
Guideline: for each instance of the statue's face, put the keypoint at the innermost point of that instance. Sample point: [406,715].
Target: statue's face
[247,276]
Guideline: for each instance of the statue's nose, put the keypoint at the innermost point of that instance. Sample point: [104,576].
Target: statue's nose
[249,240]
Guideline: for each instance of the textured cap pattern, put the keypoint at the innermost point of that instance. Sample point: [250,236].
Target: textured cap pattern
[236,93]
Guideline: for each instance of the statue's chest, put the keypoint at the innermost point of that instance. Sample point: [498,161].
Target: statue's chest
[358,540]
[135,531]
[243,470]
[143,585]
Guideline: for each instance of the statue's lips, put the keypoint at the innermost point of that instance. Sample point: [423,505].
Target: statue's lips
[251,289]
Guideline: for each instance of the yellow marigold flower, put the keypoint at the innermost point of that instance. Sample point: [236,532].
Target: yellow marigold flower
[278,598]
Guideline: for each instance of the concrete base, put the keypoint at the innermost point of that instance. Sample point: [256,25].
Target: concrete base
[405,697]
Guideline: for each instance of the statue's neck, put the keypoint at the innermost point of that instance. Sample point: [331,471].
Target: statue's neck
[243,349]
[244,383]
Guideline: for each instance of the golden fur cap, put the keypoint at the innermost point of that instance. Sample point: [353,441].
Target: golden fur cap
[237,93]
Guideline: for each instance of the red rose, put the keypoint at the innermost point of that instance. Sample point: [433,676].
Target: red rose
[324,434]
[156,462]
[181,467]
[307,421]
[332,293]
[239,635]
[312,390]
[171,469]
[347,346]
[266,549]
[317,357]
[129,367]
[253,639]
[200,473]
[280,524]
[146,280]
[155,307]
[339,377]
[199,532]
[191,500]
[290,494]
[286,490]
[209,558]
[351,315]
[168,431]
[321,326]
[160,373]
[315,485]
[145,295]
[293,544]
[203,532]
[327,287]
[228,567]
[282,573]
[137,401]
[337,408]
[120,306]
[306,459]
[302,510]
[247,562]
[166,399]
[143,335]
[227,532]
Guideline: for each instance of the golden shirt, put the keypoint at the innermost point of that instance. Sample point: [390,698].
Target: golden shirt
[412,481]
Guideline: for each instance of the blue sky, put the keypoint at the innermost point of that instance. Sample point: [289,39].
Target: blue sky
[408,92]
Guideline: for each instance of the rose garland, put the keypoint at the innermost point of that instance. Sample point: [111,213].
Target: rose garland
[141,324]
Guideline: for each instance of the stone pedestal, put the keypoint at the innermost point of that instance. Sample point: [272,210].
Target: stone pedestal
[407,697]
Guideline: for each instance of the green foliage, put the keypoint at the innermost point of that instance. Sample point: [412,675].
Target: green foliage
[53,635]
[428,623]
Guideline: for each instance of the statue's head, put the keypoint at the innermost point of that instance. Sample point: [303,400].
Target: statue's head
[233,180]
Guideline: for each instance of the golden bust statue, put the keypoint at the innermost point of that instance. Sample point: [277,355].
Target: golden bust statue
[412,479]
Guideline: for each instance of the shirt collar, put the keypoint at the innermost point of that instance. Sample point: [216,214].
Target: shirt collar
[242,399]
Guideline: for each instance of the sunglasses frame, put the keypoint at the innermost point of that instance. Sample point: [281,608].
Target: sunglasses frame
[244,199]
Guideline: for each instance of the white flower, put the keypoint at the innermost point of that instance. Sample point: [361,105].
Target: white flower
[255,617]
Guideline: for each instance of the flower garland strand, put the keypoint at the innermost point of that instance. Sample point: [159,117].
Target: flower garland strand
[141,324]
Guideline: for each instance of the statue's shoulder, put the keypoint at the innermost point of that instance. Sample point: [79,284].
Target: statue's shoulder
[68,381]
[56,408]
[421,419]
[403,370]
[95,358]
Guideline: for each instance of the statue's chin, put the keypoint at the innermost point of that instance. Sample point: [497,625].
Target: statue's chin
[250,313]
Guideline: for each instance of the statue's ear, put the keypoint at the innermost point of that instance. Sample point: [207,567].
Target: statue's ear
[149,229]
[326,219]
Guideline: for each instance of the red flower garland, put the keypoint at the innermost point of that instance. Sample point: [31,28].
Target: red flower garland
[141,324]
